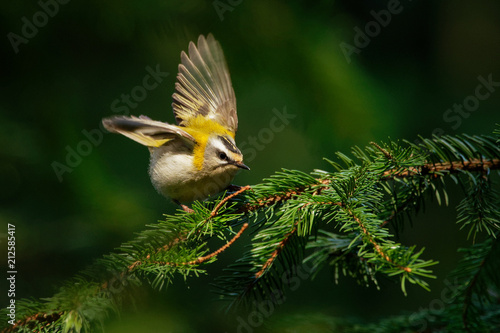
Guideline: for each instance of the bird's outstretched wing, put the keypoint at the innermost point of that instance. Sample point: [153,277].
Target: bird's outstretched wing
[148,132]
[204,86]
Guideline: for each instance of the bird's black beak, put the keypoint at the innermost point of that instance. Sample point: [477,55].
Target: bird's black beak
[241,165]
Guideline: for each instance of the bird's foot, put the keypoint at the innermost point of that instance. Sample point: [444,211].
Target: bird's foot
[184,207]
[233,188]
[187,209]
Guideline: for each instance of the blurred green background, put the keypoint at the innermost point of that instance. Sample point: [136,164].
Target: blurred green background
[59,79]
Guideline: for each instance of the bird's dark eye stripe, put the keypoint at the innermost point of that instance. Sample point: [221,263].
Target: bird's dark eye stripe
[229,145]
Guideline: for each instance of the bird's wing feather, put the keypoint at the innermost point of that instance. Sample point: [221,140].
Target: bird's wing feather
[204,86]
[147,132]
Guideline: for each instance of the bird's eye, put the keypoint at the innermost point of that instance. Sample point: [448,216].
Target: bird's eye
[223,156]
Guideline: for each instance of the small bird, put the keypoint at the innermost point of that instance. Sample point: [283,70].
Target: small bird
[197,157]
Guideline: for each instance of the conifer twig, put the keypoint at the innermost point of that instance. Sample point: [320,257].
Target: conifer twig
[471,285]
[276,252]
[375,244]
[425,169]
[211,255]
[385,152]
[39,317]
[226,199]
[452,167]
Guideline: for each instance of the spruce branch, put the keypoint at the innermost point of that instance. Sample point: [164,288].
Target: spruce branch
[209,256]
[404,173]
[479,208]
[334,218]
[477,274]
[100,289]
[281,245]
[377,247]
[336,251]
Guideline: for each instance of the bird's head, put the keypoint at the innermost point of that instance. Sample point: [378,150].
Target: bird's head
[221,153]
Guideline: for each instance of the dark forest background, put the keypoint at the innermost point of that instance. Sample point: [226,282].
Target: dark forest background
[350,72]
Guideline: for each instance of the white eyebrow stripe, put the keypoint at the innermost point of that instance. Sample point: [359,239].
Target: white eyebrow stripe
[219,145]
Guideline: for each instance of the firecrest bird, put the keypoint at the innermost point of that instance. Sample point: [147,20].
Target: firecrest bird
[197,157]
